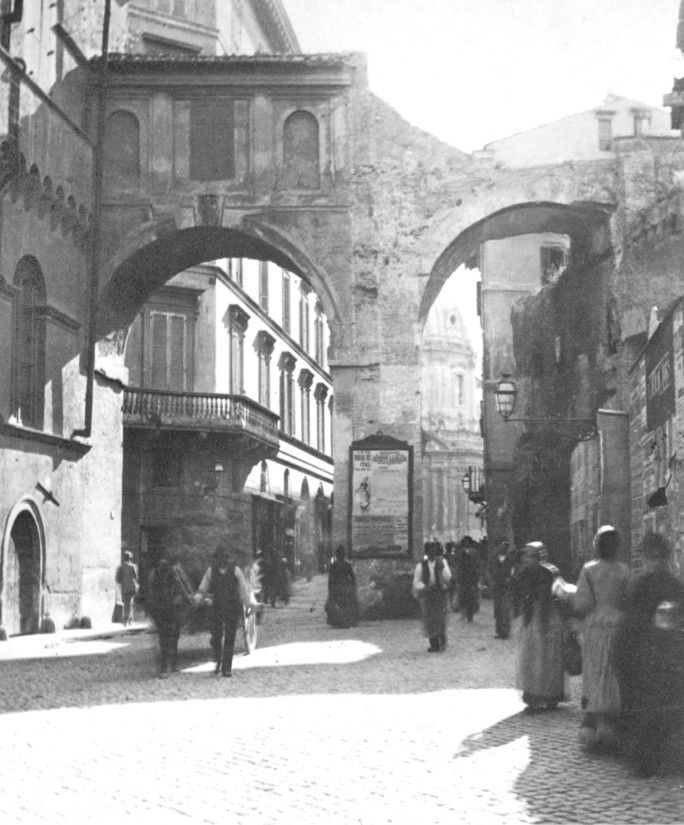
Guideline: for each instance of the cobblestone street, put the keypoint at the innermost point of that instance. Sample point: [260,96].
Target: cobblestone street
[317,725]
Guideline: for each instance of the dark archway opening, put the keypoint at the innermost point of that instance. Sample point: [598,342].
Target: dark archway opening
[22,607]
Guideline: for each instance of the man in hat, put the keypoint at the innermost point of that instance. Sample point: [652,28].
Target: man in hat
[501,571]
[127,579]
[225,585]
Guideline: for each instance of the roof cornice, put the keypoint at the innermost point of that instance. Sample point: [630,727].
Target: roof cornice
[276,23]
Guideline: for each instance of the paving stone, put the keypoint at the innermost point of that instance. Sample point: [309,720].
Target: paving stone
[317,724]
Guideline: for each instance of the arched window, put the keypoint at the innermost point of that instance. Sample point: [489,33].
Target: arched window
[304,495]
[286,483]
[301,164]
[122,144]
[264,486]
[29,364]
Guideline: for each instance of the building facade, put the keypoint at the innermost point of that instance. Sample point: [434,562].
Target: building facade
[589,135]
[227,420]
[452,440]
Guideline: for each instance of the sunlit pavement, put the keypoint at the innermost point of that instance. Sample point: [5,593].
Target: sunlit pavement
[316,726]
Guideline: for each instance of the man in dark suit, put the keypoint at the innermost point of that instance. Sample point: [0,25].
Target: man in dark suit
[500,572]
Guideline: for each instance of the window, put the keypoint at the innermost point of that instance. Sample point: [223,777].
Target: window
[605,133]
[320,394]
[458,383]
[212,140]
[29,365]
[168,351]
[301,165]
[319,335]
[286,365]
[553,262]
[237,271]
[286,483]
[304,317]
[237,327]
[263,285]
[122,144]
[642,122]
[305,382]
[264,347]
[286,301]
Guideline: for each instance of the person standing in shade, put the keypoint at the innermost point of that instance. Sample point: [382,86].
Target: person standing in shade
[431,579]
[225,586]
[649,660]
[127,579]
[468,578]
[342,605]
[500,572]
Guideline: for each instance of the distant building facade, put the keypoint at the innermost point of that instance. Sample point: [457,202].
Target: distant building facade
[589,135]
[452,439]
[227,420]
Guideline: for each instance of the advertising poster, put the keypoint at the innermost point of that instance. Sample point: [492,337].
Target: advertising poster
[380,505]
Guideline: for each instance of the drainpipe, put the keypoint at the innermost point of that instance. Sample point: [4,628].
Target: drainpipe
[96,235]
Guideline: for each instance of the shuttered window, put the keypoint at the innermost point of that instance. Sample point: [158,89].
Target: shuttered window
[212,140]
[169,351]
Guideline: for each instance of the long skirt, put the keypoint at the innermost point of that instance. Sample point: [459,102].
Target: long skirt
[342,606]
[434,607]
[600,688]
[539,664]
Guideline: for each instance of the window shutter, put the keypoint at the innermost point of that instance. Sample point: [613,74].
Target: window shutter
[177,353]
[212,140]
[158,350]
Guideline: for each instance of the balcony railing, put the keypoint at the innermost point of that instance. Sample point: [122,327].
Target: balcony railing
[198,410]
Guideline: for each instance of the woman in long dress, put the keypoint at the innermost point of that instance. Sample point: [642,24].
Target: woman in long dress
[601,599]
[539,664]
[342,606]
[649,659]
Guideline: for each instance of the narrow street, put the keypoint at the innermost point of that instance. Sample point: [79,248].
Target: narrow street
[317,725]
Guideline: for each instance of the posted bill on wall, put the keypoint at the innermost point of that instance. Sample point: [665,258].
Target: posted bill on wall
[380,501]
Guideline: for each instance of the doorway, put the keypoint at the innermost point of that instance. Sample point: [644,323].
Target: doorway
[22,590]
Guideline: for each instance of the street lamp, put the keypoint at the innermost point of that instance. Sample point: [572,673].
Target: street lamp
[465,481]
[506,395]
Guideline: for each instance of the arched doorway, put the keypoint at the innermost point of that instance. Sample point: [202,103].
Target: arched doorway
[23,573]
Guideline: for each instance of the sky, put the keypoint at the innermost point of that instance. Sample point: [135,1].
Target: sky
[471,71]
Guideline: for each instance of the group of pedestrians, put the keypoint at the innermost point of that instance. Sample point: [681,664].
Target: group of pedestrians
[632,646]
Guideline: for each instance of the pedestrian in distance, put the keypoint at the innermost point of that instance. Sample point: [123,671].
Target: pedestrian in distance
[431,579]
[127,578]
[225,587]
[451,557]
[342,604]
[169,597]
[468,572]
[500,574]
[649,660]
[601,600]
[539,654]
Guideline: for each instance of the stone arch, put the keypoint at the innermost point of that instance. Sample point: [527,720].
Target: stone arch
[161,250]
[122,144]
[587,224]
[23,569]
